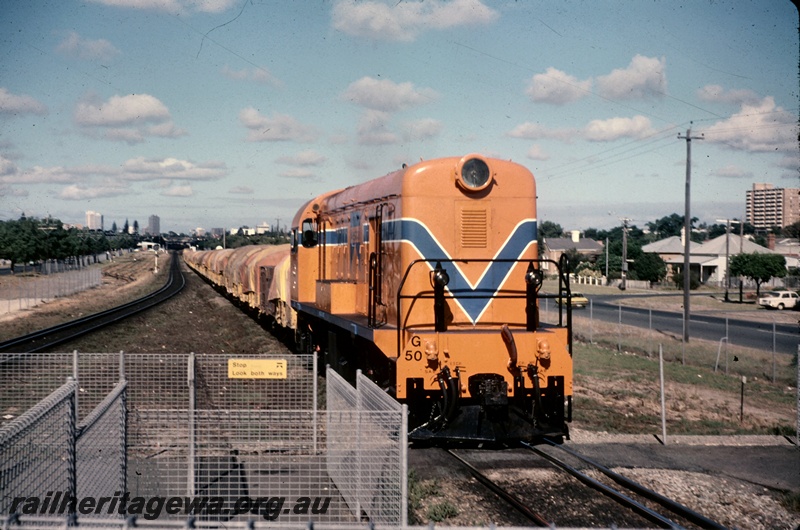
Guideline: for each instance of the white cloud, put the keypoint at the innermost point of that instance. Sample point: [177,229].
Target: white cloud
[38,175]
[534,131]
[8,191]
[732,171]
[241,190]
[121,111]
[403,21]
[278,128]
[166,130]
[178,191]
[303,158]
[715,93]
[615,128]
[129,136]
[13,104]
[762,127]
[7,167]
[138,169]
[258,75]
[557,87]
[373,129]
[90,50]
[386,95]
[422,129]
[77,192]
[644,77]
[172,6]
[298,174]
[537,153]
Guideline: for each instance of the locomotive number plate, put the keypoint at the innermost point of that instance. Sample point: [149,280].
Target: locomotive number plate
[256,369]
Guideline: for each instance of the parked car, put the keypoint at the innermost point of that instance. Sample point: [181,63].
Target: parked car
[578,300]
[779,299]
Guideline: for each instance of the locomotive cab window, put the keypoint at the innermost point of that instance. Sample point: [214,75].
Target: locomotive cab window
[309,233]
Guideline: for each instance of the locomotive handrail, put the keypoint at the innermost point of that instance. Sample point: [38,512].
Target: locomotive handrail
[563,280]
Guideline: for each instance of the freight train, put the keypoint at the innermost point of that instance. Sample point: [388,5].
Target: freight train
[428,280]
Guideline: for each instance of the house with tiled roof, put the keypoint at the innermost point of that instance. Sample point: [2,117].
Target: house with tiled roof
[554,247]
[709,259]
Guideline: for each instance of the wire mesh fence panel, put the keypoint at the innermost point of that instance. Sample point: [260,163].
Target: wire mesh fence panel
[101,453]
[381,449]
[29,378]
[342,427]
[37,455]
[158,424]
[265,381]
[366,448]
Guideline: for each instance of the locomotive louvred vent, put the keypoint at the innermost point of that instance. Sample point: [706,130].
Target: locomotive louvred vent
[473,228]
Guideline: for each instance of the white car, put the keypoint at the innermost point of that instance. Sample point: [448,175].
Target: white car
[779,299]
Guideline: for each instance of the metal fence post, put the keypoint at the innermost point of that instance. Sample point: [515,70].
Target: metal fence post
[72,453]
[663,399]
[774,338]
[316,392]
[77,380]
[404,467]
[190,486]
[358,452]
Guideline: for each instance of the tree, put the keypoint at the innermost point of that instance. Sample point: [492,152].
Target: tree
[135,226]
[650,267]
[550,229]
[114,227]
[758,267]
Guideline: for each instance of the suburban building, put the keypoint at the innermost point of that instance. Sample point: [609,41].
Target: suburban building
[768,206]
[710,259]
[554,247]
[94,220]
[153,225]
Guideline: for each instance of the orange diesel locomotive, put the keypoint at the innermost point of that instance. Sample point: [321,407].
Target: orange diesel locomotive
[428,279]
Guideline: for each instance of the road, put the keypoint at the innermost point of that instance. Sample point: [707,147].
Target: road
[740,332]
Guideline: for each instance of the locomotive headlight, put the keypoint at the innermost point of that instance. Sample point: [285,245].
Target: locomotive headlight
[533,276]
[439,276]
[472,173]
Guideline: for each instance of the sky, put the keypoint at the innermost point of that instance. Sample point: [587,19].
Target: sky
[228,113]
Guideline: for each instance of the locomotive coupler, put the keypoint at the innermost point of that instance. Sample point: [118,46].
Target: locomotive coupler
[491,392]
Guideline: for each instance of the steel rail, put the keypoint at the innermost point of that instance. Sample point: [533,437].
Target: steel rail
[518,505]
[675,507]
[82,326]
[636,506]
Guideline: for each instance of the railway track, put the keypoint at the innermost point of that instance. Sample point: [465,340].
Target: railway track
[53,336]
[629,500]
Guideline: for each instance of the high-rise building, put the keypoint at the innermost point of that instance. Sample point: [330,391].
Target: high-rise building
[94,220]
[153,225]
[768,206]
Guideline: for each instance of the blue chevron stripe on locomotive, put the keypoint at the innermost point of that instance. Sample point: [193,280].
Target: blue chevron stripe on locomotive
[417,234]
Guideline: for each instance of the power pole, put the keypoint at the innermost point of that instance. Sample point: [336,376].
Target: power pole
[727,253]
[687,230]
[624,272]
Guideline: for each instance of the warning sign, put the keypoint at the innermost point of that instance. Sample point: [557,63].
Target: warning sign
[256,369]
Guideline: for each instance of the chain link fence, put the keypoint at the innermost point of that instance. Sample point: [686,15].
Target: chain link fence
[216,437]
[24,295]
